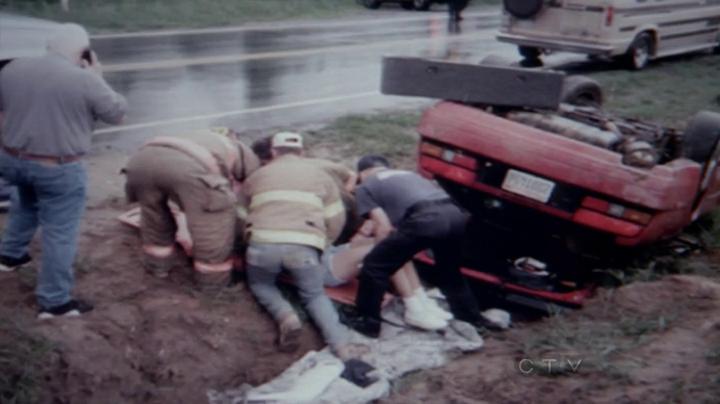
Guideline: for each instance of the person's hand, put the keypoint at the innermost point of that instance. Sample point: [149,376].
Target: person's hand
[93,65]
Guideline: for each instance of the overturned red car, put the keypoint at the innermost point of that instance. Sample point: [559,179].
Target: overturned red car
[554,191]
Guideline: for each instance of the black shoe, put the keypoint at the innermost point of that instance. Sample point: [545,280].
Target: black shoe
[367,326]
[73,308]
[9,264]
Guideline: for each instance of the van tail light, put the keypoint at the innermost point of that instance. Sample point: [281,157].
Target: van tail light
[448,155]
[616,210]
[609,16]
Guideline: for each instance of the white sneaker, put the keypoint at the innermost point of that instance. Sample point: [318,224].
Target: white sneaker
[424,320]
[432,307]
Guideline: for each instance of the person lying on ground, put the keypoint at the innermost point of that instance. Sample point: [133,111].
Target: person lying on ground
[342,264]
[294,212]
[198,172]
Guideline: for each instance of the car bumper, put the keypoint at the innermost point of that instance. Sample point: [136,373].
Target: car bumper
[666,191]
[558,44]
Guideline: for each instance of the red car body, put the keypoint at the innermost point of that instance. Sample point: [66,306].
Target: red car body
[471,152]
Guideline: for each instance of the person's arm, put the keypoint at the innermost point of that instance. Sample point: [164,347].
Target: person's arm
[246,164]
[382,224]
[104,102]
[334,211]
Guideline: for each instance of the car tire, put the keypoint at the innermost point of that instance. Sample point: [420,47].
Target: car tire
[639,52]
[701,143]
[523,9]
[371,4]
[422,5]
[529,52]
[582,91]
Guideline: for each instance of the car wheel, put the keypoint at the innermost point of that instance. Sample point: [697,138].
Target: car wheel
[582,91]
[523,9]
[422,5]
[371,4]
[701,143]
[639,52]
[407,5]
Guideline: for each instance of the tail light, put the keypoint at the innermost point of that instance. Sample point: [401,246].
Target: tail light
[451,156]
[609,16]
[616,210]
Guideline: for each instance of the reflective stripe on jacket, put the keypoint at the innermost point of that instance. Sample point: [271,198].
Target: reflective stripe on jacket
[292,200]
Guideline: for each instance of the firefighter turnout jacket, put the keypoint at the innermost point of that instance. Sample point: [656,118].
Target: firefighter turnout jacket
[293,201]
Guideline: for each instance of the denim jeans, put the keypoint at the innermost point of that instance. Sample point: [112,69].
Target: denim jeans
[51,197]
[265,261]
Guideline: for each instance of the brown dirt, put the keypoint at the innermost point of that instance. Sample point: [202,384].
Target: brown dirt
[161,341]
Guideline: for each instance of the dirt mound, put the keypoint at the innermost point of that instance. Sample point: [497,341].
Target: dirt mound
[161,341]
[646,342]
[148,340]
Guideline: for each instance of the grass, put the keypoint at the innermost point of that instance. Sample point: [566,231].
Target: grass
[669,91]
[23,360]
[390,134]
[599,343]
[136,15]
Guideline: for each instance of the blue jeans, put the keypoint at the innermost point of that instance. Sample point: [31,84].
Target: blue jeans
[265,261]
[51,197]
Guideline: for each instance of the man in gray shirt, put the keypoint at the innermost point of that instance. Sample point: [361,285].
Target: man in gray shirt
[48,107]
[410,214]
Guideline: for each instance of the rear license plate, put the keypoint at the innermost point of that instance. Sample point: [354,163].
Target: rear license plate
[527,185]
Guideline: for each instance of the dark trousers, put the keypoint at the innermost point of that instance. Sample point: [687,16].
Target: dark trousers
[456,7]
[440,228]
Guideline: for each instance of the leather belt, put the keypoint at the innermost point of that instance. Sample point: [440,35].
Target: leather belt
[57,160]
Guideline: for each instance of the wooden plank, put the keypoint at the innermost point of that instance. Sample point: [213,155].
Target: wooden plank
[473,84]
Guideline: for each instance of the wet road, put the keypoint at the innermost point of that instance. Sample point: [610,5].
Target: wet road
[268,76]
[274,76]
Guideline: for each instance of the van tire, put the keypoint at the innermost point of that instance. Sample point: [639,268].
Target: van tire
[701,141]
[529,52]
[582,91]
[422,5]
[372,4]
[523,9]
[639,52]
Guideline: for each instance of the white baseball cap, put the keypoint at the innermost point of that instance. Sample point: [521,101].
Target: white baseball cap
[287,139]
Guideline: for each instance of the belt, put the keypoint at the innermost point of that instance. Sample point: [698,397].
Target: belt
[57,160]
[419,206]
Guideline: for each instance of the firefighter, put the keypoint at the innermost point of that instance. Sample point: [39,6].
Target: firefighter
[199,172]
[344,177]
[294,212]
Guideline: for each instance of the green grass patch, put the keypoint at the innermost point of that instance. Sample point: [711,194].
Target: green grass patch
[599,343]
[389,134]
[139,15]
[669,91]
[23,360]
[134,15]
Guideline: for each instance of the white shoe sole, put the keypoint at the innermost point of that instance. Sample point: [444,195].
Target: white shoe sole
[425,326]
[5,268]
[48,316]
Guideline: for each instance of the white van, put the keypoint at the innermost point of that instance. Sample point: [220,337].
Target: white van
[635,31]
